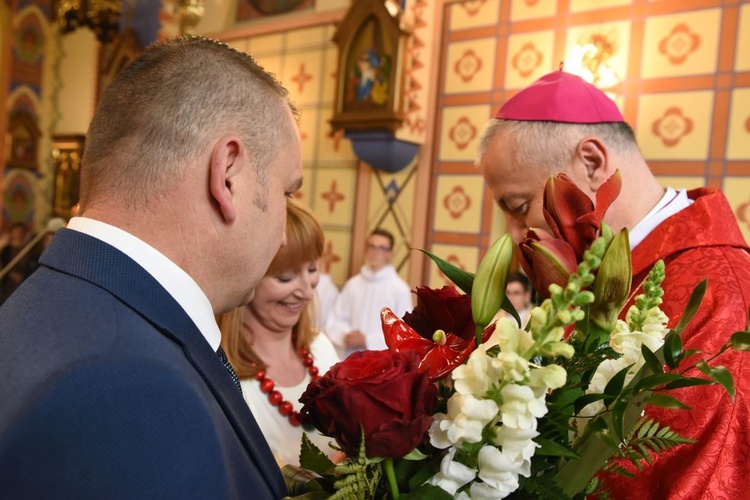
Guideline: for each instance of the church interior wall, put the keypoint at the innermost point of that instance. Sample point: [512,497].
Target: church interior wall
[679,71]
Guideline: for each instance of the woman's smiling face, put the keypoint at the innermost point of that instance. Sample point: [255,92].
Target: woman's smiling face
[280,298]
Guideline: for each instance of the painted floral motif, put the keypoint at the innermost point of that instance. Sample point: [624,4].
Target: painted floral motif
[473,6]
[672,127]
[462,133]
[747,124]
[679,44]
[332,196]
[527,59]
[457,202]
[301,77]
[468,65]
[336,137]
[413,115]
[329,257]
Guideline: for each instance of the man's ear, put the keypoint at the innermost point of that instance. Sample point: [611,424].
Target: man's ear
[226,162]
[594,156]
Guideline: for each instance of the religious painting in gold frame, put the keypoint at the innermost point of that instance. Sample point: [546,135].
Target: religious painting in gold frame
[371,41]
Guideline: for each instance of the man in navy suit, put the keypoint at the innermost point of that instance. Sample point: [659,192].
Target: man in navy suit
[110,382]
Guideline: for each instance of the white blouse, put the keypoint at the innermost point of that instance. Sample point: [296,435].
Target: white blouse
[283,438]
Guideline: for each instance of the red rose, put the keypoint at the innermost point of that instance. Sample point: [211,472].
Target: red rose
[384,392]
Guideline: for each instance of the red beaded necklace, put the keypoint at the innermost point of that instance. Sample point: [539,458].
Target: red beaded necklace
[275,397]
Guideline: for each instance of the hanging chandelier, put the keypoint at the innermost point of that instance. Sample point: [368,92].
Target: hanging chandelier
[101,16]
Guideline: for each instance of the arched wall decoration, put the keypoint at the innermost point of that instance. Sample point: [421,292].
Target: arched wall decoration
[254,9]
[22,140]
[18,197]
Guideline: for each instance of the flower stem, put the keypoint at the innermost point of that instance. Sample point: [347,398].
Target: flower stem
[391,475]
[479,335]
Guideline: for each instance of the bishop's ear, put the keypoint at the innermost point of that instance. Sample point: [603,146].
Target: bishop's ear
[593,155]
[226,163]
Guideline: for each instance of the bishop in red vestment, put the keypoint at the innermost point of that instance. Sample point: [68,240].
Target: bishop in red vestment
[560,123]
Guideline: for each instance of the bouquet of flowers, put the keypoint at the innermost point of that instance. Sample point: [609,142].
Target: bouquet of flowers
[465,406]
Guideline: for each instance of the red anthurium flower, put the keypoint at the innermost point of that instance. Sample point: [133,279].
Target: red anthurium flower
[572,215]
[546,260]
[445,309]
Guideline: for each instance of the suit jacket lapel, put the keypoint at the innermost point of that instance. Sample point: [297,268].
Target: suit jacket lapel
[109,268]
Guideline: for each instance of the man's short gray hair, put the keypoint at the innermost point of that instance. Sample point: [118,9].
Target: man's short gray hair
[551,145]
[162,111]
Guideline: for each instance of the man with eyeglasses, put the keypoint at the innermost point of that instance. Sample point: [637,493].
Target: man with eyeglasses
[354,323]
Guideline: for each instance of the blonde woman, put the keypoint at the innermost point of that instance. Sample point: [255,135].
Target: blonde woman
[272,342]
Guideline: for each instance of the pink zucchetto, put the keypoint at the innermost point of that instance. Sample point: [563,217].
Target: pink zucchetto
[560,97]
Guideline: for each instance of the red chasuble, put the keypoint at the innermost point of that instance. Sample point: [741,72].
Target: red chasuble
[701,241]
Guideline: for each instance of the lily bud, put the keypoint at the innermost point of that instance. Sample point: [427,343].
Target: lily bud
[488,290]
[547,261]
[612,284]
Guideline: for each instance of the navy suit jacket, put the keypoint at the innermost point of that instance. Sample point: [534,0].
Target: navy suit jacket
[109,390]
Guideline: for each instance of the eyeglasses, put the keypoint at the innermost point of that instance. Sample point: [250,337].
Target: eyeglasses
[379,248]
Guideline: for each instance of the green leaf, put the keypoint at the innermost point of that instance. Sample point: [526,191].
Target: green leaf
[618,417]
[507,306]
[703,367]
[722,376]
[463,280]
[587,399]
[666,401]
[427,492]
[652,361]
[740,341]
[692,307]
[422,475]
[415,455]
[552,449]
[615,385]
[652,381]
[312,459]
[672,349]
[687,382]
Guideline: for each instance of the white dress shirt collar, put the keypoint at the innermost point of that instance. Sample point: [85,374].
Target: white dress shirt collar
[175,281]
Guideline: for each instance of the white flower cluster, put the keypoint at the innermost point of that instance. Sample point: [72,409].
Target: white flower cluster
[627,341]
[496,405]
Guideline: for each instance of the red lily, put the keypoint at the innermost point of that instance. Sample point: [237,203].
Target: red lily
[575,222]
[443,309]
[546,260]
[572,216]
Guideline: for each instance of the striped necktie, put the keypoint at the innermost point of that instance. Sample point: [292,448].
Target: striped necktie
[225,361]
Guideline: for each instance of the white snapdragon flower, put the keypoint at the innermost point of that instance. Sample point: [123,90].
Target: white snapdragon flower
[467,416]
[521,407]
[499,473]
[627,343]
[513,368]
[452,474]
[518,446]
[509,337]
[550,376]
[477,376]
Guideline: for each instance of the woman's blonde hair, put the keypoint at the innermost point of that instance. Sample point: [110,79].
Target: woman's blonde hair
[304,243]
